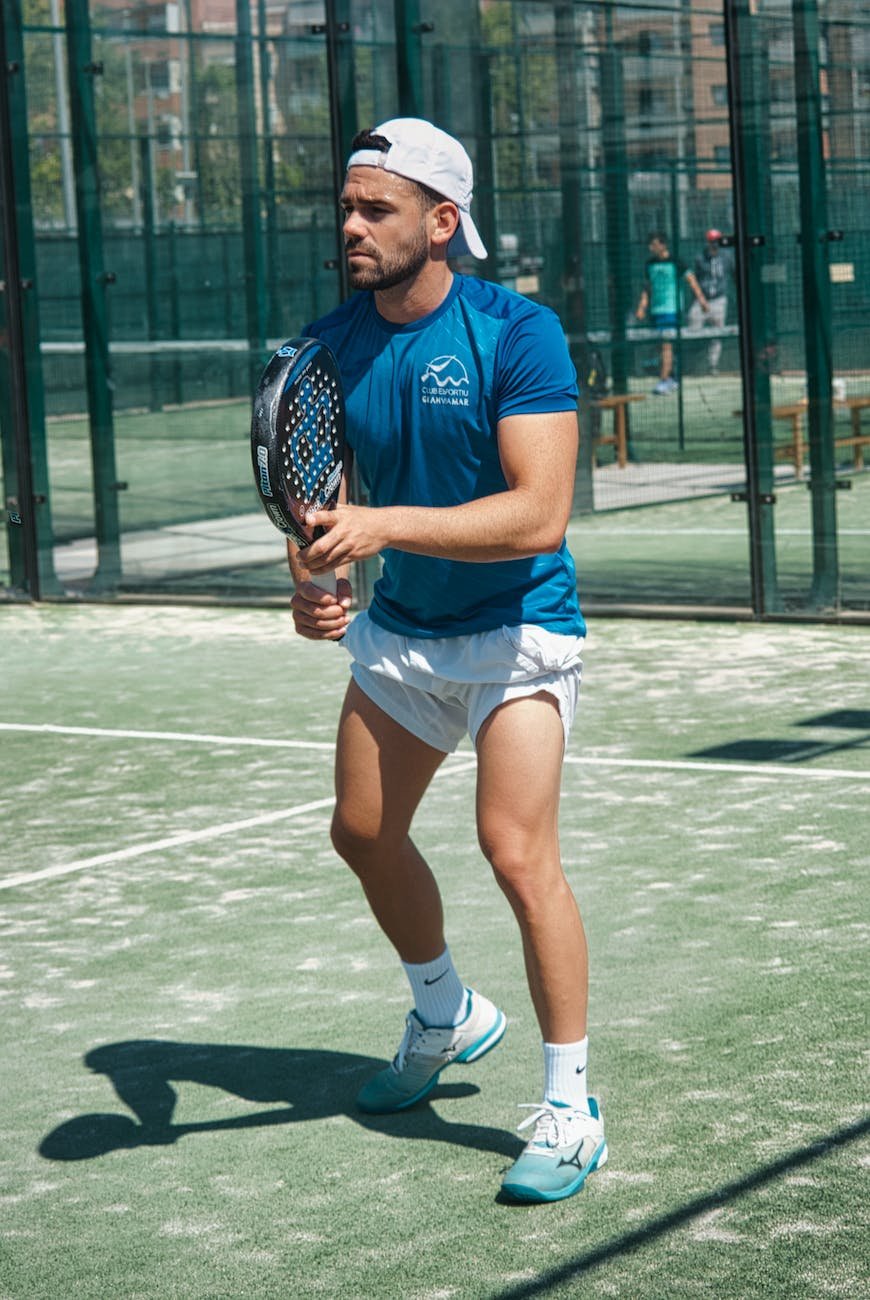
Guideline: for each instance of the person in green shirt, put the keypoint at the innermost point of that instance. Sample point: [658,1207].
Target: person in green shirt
[660,296]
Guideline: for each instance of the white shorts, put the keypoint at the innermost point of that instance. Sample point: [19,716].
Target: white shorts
[443,688]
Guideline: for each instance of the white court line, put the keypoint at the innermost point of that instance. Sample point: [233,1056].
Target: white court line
[171,842]
[194,737]
[663,764]
[189,837]
[461,763]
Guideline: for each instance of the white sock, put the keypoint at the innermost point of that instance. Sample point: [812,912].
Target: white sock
[440,997]
[565,1074]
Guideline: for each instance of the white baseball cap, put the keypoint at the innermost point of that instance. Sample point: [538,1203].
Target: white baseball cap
[422,152]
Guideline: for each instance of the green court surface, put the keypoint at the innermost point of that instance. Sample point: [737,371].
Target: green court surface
[192,989]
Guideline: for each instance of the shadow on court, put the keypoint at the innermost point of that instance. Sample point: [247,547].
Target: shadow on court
[797,751]
[628,1242]
[295,1084]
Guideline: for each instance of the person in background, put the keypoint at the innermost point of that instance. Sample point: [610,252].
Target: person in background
[660,297]
[714,267]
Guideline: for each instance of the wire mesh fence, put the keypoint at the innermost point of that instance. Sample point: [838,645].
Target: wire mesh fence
[170,212]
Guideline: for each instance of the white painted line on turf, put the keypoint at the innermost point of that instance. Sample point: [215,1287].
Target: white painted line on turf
[197,738]
[192,837]
[663,764]
[171,842]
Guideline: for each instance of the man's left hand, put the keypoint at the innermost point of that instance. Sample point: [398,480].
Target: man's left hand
[352,533]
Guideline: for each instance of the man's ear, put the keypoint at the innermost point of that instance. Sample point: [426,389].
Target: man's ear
[445,222]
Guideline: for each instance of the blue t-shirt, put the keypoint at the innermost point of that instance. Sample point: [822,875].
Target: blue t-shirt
[423,402]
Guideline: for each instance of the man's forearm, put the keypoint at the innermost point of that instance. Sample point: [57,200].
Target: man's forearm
[298,572]
[507,526]
[538,456]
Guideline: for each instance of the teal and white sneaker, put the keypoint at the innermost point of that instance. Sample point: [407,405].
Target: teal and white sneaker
[566,1147]
[424,1052]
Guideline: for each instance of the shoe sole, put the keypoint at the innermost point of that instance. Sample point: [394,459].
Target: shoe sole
[521,1192]
[474,1052]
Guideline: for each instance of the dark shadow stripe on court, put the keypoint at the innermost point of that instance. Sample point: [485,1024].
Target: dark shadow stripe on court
[854,719]
[631,1241]
[778,751]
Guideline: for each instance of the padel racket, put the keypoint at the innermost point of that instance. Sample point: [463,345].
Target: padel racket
[297,439]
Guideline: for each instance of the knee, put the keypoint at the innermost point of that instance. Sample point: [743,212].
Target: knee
[359,840]
[351,840]
[515,867]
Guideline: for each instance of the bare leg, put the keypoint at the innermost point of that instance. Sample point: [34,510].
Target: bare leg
[520,761]
[718,312]
[667,360]
[381,774]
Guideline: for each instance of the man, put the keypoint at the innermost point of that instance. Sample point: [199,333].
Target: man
[714,266]
[661,295]
[461,413]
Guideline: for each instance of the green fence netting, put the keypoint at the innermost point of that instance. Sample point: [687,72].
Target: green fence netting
[169,198]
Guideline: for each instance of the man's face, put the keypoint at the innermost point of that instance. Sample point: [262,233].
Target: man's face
[385,232]
[658,248]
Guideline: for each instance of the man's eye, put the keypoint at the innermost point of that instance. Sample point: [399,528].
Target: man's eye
[370,211]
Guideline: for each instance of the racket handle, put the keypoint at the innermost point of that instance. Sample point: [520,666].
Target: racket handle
[326,582]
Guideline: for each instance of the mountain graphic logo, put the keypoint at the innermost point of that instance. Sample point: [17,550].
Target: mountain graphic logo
[446,372]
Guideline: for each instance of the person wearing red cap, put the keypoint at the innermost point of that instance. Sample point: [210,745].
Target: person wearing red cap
[461,402]
[714,266]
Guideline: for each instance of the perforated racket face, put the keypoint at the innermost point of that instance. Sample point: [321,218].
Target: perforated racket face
[297,436]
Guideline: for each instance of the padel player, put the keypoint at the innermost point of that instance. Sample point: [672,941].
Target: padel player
[461,405]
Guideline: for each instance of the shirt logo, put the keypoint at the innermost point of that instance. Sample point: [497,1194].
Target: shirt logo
[445,382]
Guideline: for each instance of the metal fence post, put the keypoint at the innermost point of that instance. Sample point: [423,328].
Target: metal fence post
[753,221]
[94,279]
[253,269]
[22,400]
[616,201]
[573,218]
[816,277]
[149,255]
[409,63]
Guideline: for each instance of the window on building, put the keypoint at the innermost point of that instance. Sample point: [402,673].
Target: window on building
[159,78]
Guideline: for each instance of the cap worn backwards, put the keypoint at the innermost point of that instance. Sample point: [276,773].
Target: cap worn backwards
[422,152]
[713,236]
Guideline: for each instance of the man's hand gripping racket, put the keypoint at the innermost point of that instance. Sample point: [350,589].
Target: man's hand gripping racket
[297,443]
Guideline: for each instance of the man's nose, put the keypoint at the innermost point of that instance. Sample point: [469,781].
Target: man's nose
[353,227]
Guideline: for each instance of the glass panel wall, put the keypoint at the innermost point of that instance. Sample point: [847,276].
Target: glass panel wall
[642,168]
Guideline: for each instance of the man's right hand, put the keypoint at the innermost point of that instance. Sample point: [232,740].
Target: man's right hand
[317,614]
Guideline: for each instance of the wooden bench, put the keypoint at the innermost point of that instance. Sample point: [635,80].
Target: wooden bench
[794,449]
[617,402]
[858,441]
[794,413]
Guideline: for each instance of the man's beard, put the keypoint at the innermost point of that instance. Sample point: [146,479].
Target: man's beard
[386,270]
